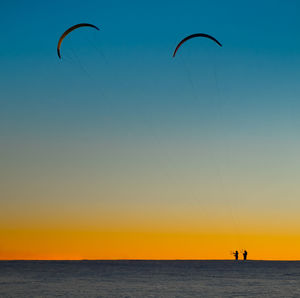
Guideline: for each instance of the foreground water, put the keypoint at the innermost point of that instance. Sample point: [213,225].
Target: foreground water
[149,279]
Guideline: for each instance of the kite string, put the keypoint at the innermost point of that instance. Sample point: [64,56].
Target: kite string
[219,114]
[76,61]
[98,49]
[189,76]
[196,97]
[218,118]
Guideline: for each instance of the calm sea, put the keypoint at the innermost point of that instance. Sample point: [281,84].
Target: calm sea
[149,279]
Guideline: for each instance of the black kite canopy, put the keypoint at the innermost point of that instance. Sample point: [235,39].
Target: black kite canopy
[69,31]
[195,35]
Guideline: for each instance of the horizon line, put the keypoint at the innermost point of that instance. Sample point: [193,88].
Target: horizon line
[80,260]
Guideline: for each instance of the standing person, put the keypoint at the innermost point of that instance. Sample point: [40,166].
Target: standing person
[236,255]
[245,253]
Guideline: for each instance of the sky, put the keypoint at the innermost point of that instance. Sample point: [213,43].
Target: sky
[119,151]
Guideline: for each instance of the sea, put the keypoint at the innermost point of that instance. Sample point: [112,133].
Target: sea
[149,279]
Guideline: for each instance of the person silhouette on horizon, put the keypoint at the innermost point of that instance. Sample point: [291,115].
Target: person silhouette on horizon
[245,253]
[236,255]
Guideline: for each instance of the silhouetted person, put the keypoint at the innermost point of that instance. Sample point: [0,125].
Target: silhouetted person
[236,255]
[245,255]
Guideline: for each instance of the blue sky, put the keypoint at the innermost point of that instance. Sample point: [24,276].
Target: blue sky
[119,110]
[125,71]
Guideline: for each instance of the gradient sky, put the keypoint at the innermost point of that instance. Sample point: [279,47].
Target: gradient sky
[120,151]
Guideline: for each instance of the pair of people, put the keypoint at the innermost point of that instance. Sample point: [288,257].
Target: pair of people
[236,254]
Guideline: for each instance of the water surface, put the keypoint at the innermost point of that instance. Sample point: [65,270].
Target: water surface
[149,279]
